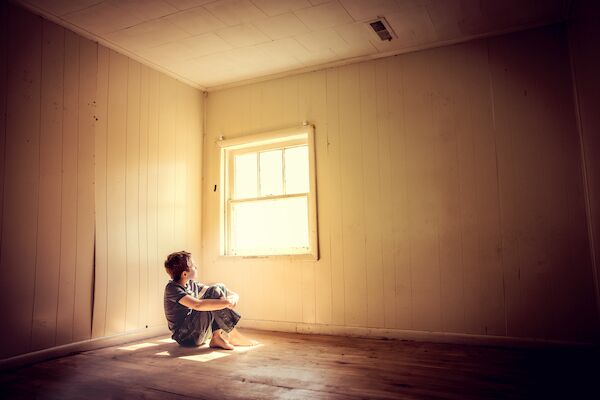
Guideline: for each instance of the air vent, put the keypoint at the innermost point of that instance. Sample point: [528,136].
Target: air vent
[382,29]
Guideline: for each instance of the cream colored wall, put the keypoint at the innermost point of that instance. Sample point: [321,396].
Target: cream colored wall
[96,151]
[584,42]
[148,174]
[450,196]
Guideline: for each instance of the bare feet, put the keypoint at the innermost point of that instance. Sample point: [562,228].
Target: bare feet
[219,341]
[237,339]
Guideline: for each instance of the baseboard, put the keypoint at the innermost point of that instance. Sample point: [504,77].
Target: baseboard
[78,347]
[423,336]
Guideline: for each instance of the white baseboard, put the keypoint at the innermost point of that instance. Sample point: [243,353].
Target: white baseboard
[78,347]
[423,336]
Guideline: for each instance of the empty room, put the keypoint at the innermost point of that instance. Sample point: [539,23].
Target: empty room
[299,199]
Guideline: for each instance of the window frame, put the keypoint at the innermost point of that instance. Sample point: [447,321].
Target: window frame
[276,139]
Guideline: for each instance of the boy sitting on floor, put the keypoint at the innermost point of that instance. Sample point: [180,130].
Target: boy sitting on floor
[192,308]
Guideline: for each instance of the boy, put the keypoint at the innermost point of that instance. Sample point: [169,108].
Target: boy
[192,308]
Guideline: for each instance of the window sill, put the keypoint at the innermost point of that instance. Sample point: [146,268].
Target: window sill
[274,257]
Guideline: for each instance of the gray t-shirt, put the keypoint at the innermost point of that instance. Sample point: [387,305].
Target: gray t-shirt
[174,311]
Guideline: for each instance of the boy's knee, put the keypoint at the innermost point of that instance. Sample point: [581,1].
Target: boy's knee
[214,292]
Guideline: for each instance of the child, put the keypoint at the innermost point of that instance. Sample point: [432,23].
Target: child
[192,308]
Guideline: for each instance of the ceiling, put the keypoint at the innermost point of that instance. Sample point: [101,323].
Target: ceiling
[217,43]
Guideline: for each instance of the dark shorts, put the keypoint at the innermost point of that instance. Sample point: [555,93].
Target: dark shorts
[195,328]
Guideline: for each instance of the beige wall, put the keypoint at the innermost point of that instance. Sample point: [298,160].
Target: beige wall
[450,195]
[584,42]
[87,131]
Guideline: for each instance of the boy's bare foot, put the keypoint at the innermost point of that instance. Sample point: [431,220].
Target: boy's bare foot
[219,341]
[237,339]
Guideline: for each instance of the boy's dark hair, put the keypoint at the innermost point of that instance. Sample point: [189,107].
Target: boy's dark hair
[177,263]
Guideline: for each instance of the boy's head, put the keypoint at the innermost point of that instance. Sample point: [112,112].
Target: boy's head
[177,263]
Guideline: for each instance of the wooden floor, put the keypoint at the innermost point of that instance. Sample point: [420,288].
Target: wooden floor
[293,366]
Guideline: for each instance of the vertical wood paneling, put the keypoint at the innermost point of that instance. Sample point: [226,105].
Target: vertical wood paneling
[399,194]
[100,171]
[116,167]
[144,264]
[88,69]
[3,83]
[21,175]
[80,131]
[352,205]
[153,132]
[132,147]
[68,234]
[487,300]
[439,192]
[584,39]
[371,194]
[165,181]
[298,97]
[424,177]
[180,159]
[383,124]
[450,116]
[48,247]
[332,195]
[323,278]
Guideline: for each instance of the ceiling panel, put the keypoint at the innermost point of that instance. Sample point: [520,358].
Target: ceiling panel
[234,12]
[281,26]
[196,21]
[324,16]
[208,43]
[242,35]
[276,7]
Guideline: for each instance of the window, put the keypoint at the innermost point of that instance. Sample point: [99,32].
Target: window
[268,195]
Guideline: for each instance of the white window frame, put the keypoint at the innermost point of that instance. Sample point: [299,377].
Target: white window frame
[282,138]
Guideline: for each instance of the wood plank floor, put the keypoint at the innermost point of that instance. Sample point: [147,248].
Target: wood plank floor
[294,366]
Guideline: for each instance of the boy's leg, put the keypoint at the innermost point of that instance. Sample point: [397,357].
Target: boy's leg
[225,319]
[195,329]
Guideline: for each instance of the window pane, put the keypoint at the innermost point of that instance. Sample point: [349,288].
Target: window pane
[271,182]
[296,170]
[245,177]
[270,226]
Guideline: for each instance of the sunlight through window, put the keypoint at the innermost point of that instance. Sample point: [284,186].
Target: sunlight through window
[138,346]
[268,194]
[206,357]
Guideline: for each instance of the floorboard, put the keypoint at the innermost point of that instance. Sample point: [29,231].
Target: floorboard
[294,366]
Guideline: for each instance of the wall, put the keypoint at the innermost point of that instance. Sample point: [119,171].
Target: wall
[584,42]
[450,196]
[100,157]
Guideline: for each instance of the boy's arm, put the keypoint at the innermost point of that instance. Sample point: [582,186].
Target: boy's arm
[205,305]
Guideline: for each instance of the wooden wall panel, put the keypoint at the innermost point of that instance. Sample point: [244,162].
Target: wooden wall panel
[383,123]
[100,195]
[68,234]
[449,193]
[143,194]
[79,139]
[21,175]
[352,202]
[152,120]
[47,268]
[399,194]
[371,195]
[132,149]
[116,167]
[152,195]
[584,40]
[84,273]
[3,83]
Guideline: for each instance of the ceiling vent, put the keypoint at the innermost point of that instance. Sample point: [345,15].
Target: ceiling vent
[382,29]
